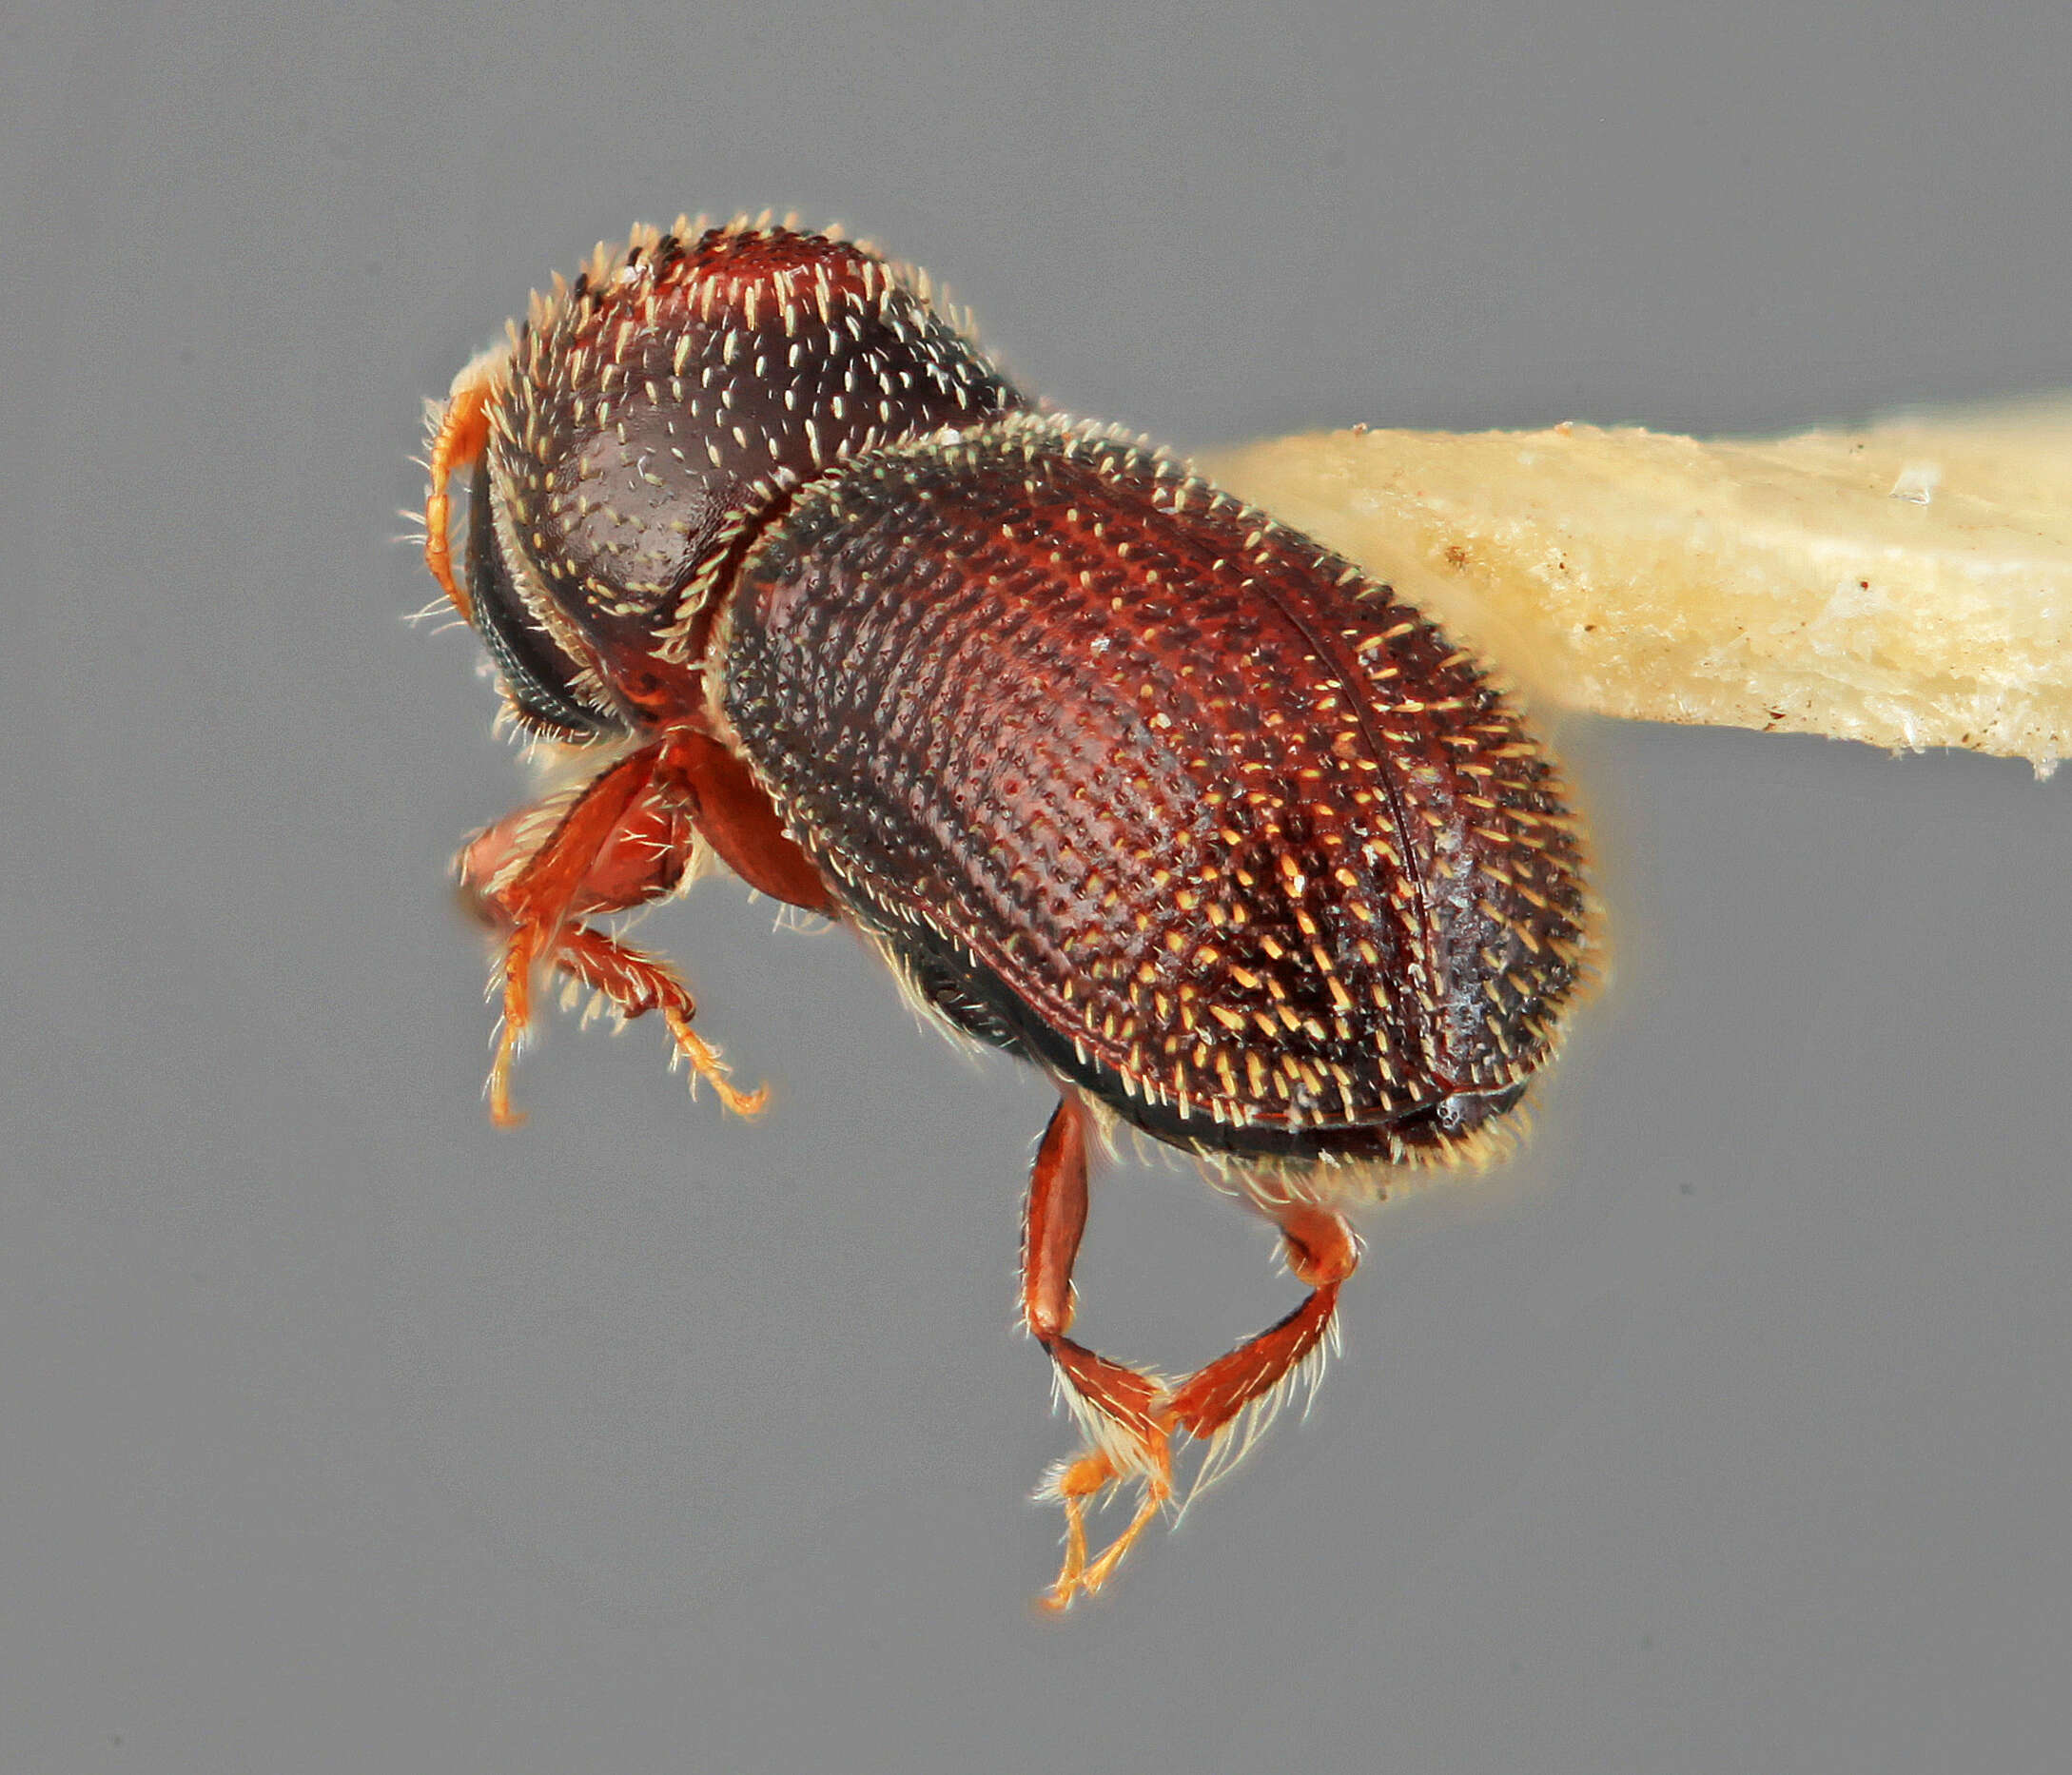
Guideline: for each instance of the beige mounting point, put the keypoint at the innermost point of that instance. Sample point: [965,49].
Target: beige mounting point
[1908,585]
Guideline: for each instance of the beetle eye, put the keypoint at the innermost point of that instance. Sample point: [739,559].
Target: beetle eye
[540,676]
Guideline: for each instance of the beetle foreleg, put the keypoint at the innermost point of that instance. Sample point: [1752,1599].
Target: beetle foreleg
[636,982]
[625,840]
[460,430]
[1116,1406]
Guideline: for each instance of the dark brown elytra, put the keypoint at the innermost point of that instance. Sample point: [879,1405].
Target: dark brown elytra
[1118,774]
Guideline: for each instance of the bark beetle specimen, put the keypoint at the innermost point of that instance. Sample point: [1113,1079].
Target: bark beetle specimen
[1118,774]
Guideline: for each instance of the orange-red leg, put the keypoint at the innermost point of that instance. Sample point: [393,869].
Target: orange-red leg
[735,818]
[1128,1417]
[1211,1403]
[459,433]
[622,840]
[1117,1407]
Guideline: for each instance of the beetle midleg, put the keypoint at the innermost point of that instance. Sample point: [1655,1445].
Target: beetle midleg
[623,841]
[1322,1253]
[738,820]
[1116,1406]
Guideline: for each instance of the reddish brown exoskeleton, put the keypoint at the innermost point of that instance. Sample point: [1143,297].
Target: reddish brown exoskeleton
[1118,774]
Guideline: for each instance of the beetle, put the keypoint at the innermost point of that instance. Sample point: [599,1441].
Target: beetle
[1116,775]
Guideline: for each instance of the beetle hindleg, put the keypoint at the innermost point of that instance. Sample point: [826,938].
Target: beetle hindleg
[1129,1416]
[1117,1407]
[1227,1403]
[624,840]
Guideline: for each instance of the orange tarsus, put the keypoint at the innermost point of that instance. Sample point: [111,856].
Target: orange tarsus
[517,1017]
[706,1064]
[1084,1478]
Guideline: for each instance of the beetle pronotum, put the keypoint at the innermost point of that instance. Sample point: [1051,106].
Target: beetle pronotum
[1117,774]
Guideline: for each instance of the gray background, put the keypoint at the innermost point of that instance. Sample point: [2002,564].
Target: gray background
[1728,1429]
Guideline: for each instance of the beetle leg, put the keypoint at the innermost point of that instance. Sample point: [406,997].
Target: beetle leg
[636,982]
[622,840]
[1116,1406]
[459,433]
[1227,1403]
[738,820]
